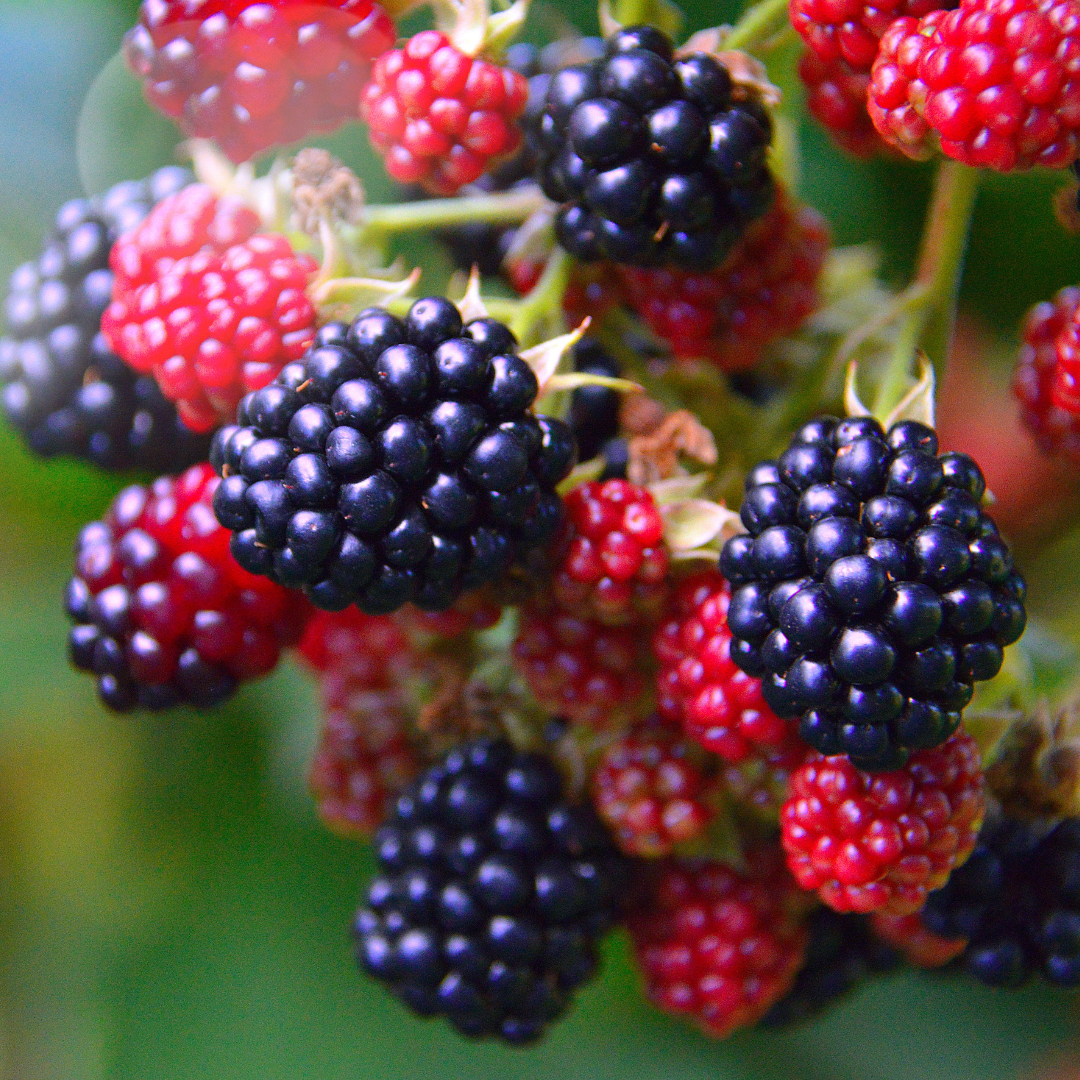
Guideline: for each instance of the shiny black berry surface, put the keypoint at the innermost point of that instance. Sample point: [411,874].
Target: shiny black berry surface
[841,952]
[492,893]
[655,160]
[594,410]
[871,591]
[1017,901]
[63,389]
[397,462]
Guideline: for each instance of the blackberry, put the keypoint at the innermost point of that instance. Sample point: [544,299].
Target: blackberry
[594,410]
[1017,901]
[841,951]
[63,389]
[656,160]
[872,590]
[492,894]
[398,461]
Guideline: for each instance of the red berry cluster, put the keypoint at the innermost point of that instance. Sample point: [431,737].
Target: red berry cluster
[764,290]
[995,82]
[211,307]
[650,789]
[920,946]
[364,757]
[1045,381]
[881,841]
[698,686]
[164,613]
[256,75]
[616,564]
[439,117]
[590,673]
[836,97]
[718,946]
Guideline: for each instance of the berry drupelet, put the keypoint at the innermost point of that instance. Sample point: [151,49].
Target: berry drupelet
[594,410]
[492,894]
[163,614]
[1017,900]
[256,75]
[841,951]
[717,945]
[872,591]
[397,462]
[655,159]
[63,389]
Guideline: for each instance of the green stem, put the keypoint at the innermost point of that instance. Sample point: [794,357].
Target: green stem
[929,324]
[544,300]
[757,24]
[504,208]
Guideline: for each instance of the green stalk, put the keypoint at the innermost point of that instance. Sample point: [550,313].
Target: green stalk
[758,24]
[929,324]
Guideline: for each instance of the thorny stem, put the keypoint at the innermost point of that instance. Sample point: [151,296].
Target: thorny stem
[929,322]
[758,24]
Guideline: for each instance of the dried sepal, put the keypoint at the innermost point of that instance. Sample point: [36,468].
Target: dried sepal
[655,456]
[544,359]
[472,304]
[693,524]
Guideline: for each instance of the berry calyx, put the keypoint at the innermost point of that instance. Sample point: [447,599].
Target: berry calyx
[882,841]
[208,305]
[650,791]
[252,76]
[163,614]
[698,684]
[439,117]
[719,946]
[615,566]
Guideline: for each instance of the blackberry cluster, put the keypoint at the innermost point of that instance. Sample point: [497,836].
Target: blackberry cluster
[63,388]
[1017,900]
[872,590]
[656,159]
[492,894]
[398,461]
[841,951]
[594,410]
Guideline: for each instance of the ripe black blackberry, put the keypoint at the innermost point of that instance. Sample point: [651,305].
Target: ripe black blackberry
[1017,900]
[397,462]
[63,389]
[594,410]
[655,159]
[492,895]
[872,591]
[842,950]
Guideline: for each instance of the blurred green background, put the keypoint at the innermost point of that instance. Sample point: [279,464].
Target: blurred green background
[169,905]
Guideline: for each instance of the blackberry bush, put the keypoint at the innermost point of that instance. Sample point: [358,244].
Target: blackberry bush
[655,159]
[397,462]
[492,894]
[872,590]
[64,390]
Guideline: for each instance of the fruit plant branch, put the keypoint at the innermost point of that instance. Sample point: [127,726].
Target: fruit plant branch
[758,23]
[930,315]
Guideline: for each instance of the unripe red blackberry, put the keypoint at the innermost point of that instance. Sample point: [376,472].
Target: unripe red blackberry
[163,614]
[492,893]
[256,75]
[364,757]
[920,946]
[1017,900]
[872,591]
[719,946]
[882,841]
[699,685]
[765,289]
[438,116]
[398,462]
[615,566]
[590,673]
[650,790]
[1053,418]
[836,96]
[655,159]
[841,952]
[210,306]
[64,390]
